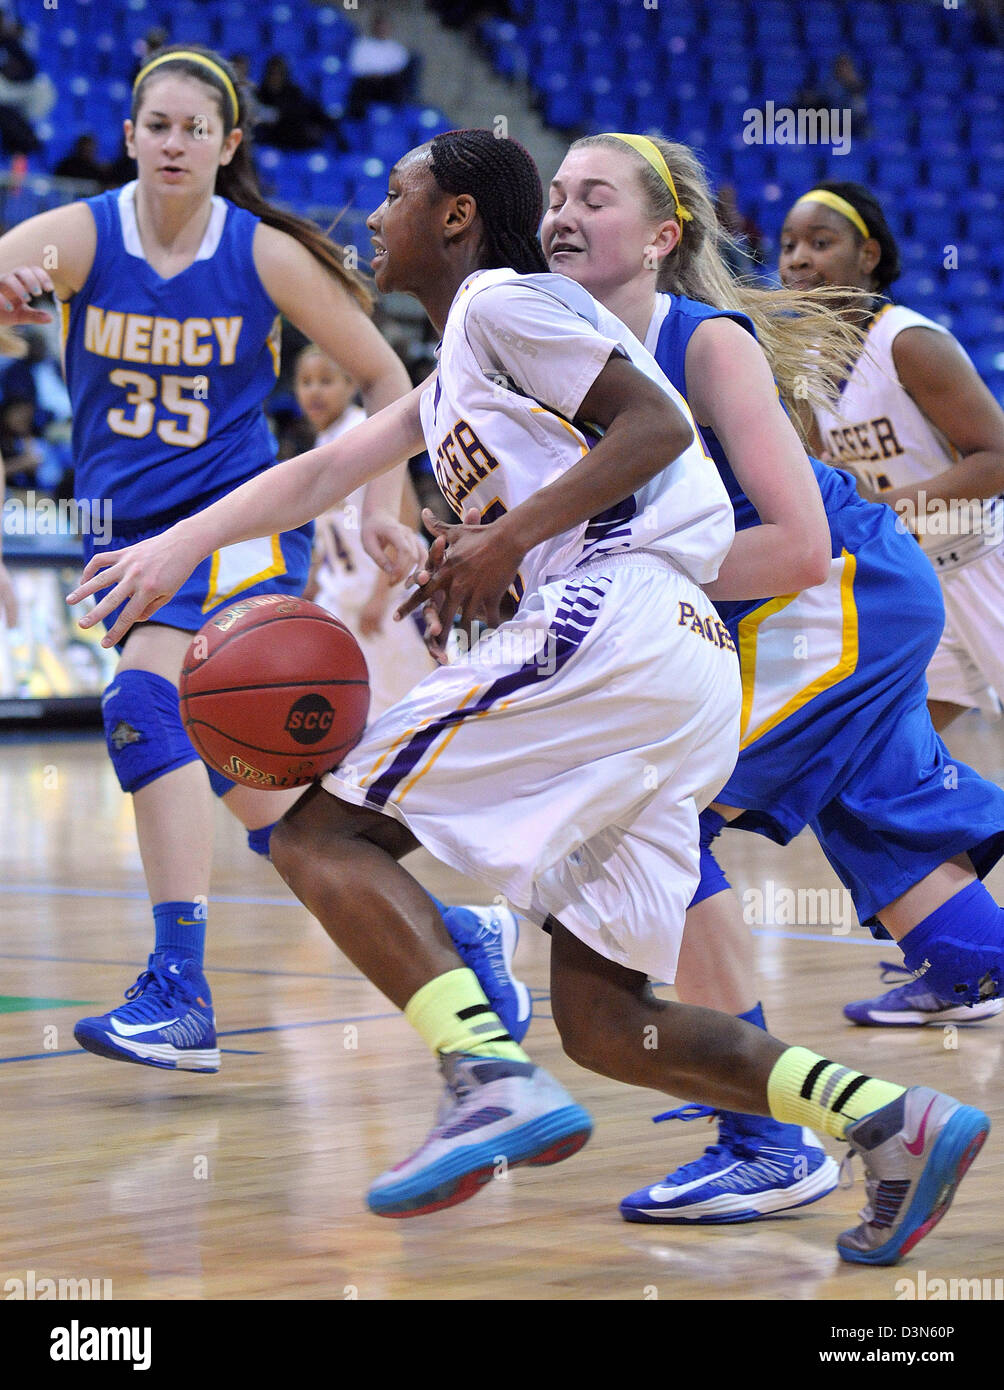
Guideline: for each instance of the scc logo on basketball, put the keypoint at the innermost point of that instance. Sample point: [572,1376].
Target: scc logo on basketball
[309,719]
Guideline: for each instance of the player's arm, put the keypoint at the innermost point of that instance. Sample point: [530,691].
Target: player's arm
[936,373]
[730,389]
[319,306]
[643,433]
[284,497]
[51,253]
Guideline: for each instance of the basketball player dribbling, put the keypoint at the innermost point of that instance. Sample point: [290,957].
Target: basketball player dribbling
[611,768]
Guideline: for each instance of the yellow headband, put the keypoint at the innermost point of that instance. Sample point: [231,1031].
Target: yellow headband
[651,152]
[838,204]
[190,57]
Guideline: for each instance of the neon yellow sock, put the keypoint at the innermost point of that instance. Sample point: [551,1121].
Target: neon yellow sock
[806,1089]
[452,1015]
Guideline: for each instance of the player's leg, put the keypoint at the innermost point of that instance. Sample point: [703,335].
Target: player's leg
[341,861]
[757,1165]
[944,713]
[168,1020]
[916,1143]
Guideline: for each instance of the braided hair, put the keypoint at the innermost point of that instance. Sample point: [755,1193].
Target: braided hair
[865,202]
[503,180]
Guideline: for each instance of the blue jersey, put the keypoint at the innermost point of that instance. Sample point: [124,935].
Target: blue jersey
[834,730]
[168,377]
[679,318]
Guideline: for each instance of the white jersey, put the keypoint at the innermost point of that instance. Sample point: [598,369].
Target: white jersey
[883,436]
[519,354]
[396,656]
[347,573]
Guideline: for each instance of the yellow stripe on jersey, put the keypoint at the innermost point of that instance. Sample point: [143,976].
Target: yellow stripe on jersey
[493,709]
[369,777]
[214,597]
[576,434]
[749,631]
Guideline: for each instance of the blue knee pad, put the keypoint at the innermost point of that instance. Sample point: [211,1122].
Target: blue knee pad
[143,729]
[713,878]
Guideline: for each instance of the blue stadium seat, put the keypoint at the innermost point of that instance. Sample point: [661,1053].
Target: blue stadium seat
[949,173]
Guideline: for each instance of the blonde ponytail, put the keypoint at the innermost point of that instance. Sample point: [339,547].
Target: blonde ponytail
[807,342]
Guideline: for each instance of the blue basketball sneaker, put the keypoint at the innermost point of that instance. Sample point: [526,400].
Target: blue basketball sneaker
[759,1166]
[916,1151]
[168,1021]
[495,1115]
[485,938]
[913,1004]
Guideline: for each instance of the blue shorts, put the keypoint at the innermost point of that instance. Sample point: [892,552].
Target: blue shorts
[839,738]
[276,564]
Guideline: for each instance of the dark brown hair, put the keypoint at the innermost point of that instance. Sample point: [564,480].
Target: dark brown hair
[238,181]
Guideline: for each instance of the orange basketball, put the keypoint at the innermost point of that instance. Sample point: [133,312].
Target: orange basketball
[274,691]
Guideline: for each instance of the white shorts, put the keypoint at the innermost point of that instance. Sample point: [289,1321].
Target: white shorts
[968,666]
[564,760]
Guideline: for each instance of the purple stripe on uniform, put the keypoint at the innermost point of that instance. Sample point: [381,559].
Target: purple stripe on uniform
[566,645]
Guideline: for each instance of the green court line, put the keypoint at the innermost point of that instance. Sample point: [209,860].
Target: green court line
[17,1003]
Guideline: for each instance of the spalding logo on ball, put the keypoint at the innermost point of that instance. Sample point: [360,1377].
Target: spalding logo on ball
[274,691]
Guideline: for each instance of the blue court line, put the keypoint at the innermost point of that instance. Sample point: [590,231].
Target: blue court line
[846,940]
[231,1033]
[212,969]
[47,890]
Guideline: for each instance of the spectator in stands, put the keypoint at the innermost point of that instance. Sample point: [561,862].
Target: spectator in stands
[988,29]
[846,90]
[146,47]
[456,14]
[36,377]
[382,67]
[852,91]
[82,162]
[26,95]
[29,460]
[744,254]
[287,117]
[122,169]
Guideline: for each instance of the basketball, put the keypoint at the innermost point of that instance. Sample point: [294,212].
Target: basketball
[274,691]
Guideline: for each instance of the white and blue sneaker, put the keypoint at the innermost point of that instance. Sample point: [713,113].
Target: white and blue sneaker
[168,1021]
[758,1167]
[486,938]
[495,1115]
[913,1004]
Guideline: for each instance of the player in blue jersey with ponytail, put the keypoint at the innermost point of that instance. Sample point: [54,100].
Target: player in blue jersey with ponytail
[837,736]
[170,292]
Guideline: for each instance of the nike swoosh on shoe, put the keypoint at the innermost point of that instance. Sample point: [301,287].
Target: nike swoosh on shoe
[917,1147]
[129,1030]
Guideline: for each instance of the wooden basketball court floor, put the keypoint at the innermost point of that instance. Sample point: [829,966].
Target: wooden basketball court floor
[250,1184]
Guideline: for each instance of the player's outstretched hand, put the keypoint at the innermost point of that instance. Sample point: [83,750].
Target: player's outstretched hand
[470,568]
[143,576]
[396,548]
[8,598]
[17,287]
